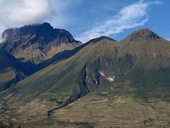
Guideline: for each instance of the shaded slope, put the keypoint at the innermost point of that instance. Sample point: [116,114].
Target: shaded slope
[12,70]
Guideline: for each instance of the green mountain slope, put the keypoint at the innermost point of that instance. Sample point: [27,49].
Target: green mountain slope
[104,83]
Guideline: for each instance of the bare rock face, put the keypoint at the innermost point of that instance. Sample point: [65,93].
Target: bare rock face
[37,43]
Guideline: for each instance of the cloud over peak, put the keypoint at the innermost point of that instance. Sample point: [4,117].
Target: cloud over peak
[14,13]
[20,12]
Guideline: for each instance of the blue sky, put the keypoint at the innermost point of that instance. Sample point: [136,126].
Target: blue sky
[87,19]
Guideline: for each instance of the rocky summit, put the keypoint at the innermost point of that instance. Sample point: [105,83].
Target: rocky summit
[37,43]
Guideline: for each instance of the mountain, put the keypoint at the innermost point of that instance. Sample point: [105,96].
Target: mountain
[37,43]
[11,70]
[143,34]
[103,83]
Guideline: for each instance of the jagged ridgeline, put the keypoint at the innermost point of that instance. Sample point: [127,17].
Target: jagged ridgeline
[102,83]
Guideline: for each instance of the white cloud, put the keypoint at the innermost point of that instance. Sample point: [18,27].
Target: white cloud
[14,13]
[129,17]
[20,12]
